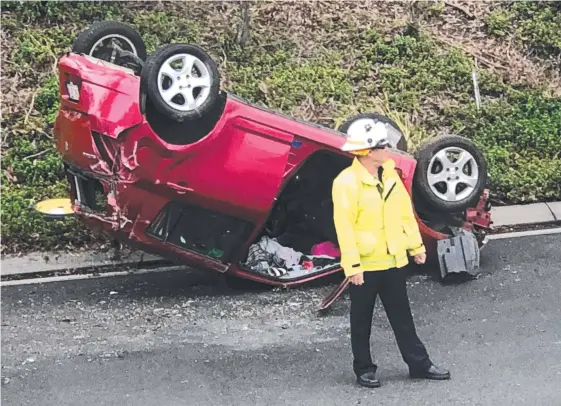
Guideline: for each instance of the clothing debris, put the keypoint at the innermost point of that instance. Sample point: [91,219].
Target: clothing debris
[326,248]
[269,257]
[270,251]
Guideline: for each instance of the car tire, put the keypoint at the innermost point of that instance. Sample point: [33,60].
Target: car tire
[442,182]
[100,32]
[156,79]
[397,139]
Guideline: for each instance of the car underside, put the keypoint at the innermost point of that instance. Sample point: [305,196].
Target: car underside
[207,179]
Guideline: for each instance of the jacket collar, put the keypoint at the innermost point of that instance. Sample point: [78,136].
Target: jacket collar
[367,178]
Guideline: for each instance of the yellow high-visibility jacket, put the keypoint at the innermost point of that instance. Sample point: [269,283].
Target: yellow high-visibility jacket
[375,224]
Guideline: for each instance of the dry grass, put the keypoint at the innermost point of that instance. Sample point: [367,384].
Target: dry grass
[455,28]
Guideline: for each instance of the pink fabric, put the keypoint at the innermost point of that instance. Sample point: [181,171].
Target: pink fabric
[326,248]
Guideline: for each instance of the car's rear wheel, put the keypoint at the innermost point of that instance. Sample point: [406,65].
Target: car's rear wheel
[451,174]
[362,123]
[181,81]
[101,40]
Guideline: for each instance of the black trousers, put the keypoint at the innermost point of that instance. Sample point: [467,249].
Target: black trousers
[392,288]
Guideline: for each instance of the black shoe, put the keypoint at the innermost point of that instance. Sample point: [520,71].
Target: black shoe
[369,380]
[434,372]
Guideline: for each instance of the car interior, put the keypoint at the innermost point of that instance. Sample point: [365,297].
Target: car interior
[300,224]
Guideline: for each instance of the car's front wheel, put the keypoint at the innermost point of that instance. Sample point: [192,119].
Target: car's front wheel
[451,174]
[182,82]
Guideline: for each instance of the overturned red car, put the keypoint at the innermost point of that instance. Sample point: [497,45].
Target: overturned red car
[163,159]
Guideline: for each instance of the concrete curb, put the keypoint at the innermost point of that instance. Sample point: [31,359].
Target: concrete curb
[60,278]
[46,262]
[526,214]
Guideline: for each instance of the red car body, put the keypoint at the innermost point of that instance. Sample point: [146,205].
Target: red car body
[238,169]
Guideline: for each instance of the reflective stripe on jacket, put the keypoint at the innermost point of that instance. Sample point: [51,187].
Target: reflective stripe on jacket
[375,224]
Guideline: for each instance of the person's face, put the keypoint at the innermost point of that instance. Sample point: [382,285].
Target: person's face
[378,155]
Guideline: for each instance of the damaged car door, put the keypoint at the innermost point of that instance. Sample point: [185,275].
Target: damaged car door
[213,194]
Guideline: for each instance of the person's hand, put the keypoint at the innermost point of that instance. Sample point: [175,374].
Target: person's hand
[357,279]
[420,258]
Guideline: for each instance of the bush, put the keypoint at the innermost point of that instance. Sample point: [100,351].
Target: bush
[283,83]
[540,26]
[535,24]
[521,137]
[23,228]
[498,22]
[337,70]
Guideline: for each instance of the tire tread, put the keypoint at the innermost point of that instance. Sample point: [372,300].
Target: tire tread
[87,38]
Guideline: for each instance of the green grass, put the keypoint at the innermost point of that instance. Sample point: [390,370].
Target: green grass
[397,70]
[535,24]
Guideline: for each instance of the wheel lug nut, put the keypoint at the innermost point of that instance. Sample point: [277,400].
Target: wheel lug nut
[449,179]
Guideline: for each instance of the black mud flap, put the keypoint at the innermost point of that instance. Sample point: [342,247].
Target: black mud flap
[334,295]
[459,255]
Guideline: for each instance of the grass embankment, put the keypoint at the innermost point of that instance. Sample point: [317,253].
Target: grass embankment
[321,62]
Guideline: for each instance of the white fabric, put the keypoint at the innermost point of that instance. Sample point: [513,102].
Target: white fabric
[287,256]
[268,251]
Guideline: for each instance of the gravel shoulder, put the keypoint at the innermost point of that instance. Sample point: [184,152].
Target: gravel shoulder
[183,338]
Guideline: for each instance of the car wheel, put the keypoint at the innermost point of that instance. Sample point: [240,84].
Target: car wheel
[181,81]
[100,38]
[451,173]
[365,121]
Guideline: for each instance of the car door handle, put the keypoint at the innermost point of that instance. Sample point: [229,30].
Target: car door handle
[181,188]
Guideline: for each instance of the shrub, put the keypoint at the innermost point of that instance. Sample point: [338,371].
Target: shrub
[498,22]
[521,137]
[394,67]
[536,25]
[24,229]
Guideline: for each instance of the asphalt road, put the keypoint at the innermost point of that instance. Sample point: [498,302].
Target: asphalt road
[182,339]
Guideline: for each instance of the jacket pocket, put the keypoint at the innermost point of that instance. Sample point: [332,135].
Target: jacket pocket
[408,236]
[407,231]
[366,242]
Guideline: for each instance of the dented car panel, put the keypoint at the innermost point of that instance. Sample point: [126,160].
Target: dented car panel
[202,203]
[107,96]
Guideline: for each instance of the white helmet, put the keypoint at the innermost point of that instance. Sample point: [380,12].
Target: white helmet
[363,135]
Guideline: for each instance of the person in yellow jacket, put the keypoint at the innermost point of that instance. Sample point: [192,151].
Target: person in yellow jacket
[377,230]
